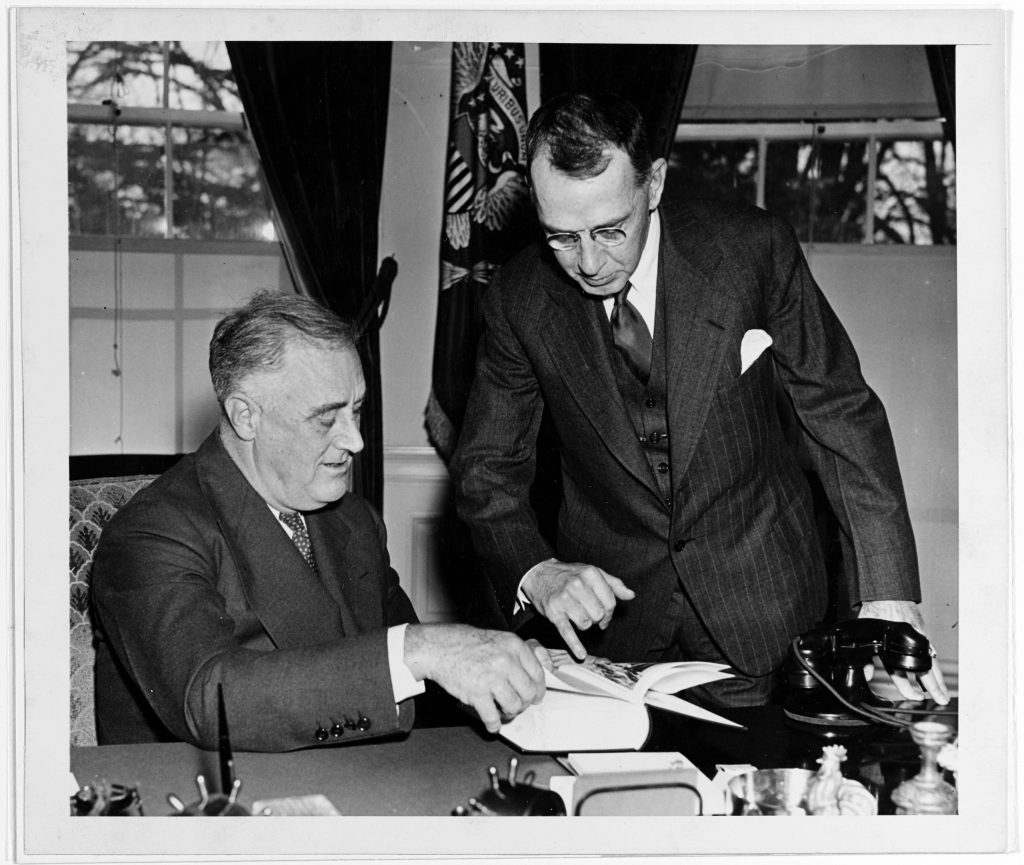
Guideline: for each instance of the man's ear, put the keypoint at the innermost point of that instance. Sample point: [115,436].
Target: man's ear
[243,414]
[657,182]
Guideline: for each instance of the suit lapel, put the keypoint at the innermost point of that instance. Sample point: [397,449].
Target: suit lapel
[696,313]
[287,597]
[341,568]
[573,327]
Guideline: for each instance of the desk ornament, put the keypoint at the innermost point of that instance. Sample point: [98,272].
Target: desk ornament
[801,792]
[104,799]
[927,792]
[224,803]
[511,798]
[831,794]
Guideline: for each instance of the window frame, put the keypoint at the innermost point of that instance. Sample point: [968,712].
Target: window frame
[111,114]
[872,131]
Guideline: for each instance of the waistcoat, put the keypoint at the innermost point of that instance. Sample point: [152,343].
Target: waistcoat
[647,405]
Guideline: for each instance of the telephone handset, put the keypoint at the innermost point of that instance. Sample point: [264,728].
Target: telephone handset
[825,669]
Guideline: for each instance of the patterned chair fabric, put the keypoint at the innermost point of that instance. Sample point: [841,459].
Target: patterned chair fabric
[93,503]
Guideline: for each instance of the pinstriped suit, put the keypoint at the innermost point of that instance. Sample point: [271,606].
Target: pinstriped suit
[737,532]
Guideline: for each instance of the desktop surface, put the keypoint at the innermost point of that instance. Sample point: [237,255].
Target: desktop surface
[445,760]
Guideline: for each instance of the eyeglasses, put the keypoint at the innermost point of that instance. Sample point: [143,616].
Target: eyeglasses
[567,241]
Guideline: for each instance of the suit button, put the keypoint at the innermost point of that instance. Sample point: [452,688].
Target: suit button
[668,503]
[337,730]
[363,723]
[678,546]
[321,734]
[350,723]
[650,402]
[655,438]
[663,467]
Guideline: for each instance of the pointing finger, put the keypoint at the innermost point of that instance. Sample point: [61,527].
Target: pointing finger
[568,633]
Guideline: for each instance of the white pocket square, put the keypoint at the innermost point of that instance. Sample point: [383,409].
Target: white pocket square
[754,342]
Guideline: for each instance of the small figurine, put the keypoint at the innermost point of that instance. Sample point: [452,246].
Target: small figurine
[831,794]
[823,796]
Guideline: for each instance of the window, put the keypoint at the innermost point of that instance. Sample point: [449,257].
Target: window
[867,182]
[157,145]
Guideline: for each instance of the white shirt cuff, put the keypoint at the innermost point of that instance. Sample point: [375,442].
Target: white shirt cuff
[403,682]
[522,602]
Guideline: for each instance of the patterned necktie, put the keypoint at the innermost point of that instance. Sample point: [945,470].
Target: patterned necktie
[631,336]
[295,522]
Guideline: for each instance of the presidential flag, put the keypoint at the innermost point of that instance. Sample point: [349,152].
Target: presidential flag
[487,215]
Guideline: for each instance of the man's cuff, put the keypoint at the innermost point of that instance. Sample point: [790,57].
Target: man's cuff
[523,602]
[403,683]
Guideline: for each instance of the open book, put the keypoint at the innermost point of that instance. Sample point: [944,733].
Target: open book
[601,705]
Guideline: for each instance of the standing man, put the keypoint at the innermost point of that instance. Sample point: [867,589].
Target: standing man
[654,340]
[249,565]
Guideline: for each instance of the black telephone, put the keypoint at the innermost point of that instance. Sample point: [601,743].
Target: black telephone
[825,677]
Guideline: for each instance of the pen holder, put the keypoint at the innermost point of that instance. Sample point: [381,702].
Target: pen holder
[210,805]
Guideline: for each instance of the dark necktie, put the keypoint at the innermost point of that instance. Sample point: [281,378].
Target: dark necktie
[631,336]
[301,537]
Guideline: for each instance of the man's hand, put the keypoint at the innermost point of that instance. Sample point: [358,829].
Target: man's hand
[494,672]
[574,594]
[907,611]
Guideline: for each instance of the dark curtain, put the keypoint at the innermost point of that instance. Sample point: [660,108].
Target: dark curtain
[653,77]
[942,65]
[318,116]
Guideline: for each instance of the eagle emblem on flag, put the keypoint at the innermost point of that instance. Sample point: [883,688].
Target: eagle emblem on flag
[487,213]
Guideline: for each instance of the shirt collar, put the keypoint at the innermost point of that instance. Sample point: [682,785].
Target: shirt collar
[645,277]
[277,516]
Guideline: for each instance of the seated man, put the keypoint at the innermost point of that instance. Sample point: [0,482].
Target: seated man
[249,565]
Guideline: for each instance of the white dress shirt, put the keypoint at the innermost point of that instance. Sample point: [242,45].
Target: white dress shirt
[644,293]
[403,683]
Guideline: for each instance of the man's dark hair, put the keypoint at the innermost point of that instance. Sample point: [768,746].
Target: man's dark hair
[253,337]
[575,131]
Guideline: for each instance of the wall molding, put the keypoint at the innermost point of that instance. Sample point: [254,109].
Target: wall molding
[405,464]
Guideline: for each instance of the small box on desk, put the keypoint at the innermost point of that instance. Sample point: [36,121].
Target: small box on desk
[655,793]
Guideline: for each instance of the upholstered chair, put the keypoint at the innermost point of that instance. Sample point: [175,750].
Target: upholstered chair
[93,503]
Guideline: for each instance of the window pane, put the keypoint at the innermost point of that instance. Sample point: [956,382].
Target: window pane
[713,169]
[132,74]
[116,180]
[201,77]
[840,191]
[787,183]
[820,187]
[128,72]
[218,189]
[915,193]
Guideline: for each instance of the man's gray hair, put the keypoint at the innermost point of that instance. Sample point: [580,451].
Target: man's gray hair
[253,337]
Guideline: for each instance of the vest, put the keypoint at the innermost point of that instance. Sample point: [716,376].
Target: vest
[647,405]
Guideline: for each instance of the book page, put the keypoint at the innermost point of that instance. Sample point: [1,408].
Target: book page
[596,675]
[629,681]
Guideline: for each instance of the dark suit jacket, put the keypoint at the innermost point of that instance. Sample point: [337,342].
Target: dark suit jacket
[196,583]
[738,532]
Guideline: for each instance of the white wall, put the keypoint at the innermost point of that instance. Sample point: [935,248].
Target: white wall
[172,293]
[899,306]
